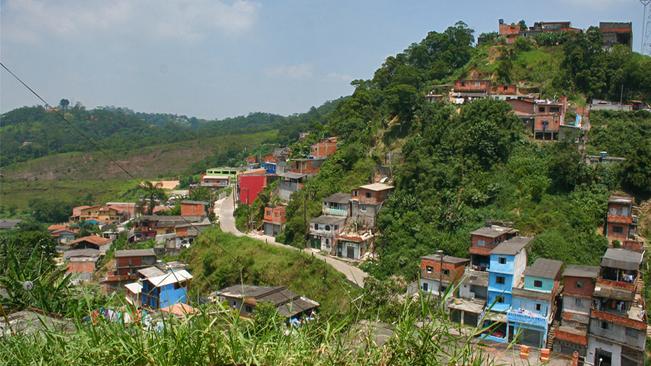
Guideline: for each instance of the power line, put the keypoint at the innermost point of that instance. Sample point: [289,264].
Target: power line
[63,117]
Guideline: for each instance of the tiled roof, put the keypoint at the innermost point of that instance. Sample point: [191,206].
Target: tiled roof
[94,239]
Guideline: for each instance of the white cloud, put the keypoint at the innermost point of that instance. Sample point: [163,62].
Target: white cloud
[37,20]
[297,72]
[339,77]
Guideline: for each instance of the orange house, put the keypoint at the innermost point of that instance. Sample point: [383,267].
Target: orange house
[324,148]
[274,220]
[509,31]
[194,208]
[444,268]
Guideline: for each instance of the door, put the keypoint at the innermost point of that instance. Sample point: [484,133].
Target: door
[350,252]
[602,358]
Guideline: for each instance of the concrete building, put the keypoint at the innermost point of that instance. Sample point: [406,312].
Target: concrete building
[274,220]
[616,33]
[324,230]
[621,224]
[337,204]
[578,286]
[617,332]
[366,202]
[484,240]
[438,272]
[289,183]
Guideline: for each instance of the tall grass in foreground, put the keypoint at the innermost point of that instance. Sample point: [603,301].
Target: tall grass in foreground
[218,336]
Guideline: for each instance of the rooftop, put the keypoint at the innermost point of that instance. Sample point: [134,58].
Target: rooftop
[512,246]
[328,220]
[620,198]
[80,253]
[287,302]
[544,268]
[493,231]
[622,259]
[339,198]
[195,202]
[170,278]
[446,259]
[8,224]
[134,253]
[94,239]
[574,270]
[150,272]
[376,187]
[291,175]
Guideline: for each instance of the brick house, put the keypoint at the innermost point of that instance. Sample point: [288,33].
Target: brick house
[618,321]
[100,214]
[621,224]
[510,32]
[274,220]
[323,148]
[354,245]
[194,208]
[324,230]
[578,286]
[305,166]
[543,118]
[438,272]
[128,262]
[485,239]
[366,202]
[614,33]
[92,242]
[81,263]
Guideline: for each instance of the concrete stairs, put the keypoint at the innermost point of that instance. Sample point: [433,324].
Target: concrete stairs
[551,335]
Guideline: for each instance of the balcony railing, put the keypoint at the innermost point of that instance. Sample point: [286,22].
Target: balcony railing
[335,211]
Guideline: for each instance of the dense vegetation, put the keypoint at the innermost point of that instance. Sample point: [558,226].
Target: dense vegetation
[455,169]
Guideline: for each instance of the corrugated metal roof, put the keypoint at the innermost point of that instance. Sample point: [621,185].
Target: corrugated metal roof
[544,268]
[328,220]
[622,259]
[169,278]
[134,253]
[339,197]
[512,246]
[574,270]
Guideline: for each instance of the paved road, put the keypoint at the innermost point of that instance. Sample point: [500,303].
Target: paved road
[224,211]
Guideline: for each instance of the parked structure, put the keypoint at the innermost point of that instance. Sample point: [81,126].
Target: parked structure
[246,298]
[578,286]
[617,333]
[534,303]
[274,220]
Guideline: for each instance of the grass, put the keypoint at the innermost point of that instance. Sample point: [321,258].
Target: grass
[219,260]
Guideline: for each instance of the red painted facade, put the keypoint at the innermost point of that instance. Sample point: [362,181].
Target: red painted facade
[250,185]
[430,268]
[275,215]
[571,286]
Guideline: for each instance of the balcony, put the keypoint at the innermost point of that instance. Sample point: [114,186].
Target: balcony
[335,212]
[526,317]
[617,219]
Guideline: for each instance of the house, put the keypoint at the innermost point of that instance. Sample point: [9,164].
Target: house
[229,172]
[250,184]
[438,272]
[309,167]
[270,164]
[549,27]
[185,234]
[194,208]
[621,224]
[614,33]
[245,298]
[132,293]
[63,236]
[274,220]
[165,290]
[606,105]
[9,224]
[129,261]
[468,307]
[126,209]
[366,202]
[510,32]
[92,242]
[289,183]
[81,263]
[543,118]
[465,91]
[99,214]
[507,264]
[618,322]
[337,204]
[215,181]
[534,303]
[149,226]
[323,148]
[484,240]
[324,230]
[578,285]
[354,245]
[147,272]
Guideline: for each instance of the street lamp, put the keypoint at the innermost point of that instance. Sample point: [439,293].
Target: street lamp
[440,254]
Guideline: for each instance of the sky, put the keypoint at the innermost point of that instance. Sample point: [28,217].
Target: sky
[220,58]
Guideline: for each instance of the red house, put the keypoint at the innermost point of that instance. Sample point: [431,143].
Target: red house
[620,222]
[128,262]
[324,148]
[484,240]
[444,268]
[250,184]
[509,31]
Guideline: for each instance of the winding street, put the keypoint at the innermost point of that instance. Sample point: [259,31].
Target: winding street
[224,209]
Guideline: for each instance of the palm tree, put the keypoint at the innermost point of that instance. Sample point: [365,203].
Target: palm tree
[151,193]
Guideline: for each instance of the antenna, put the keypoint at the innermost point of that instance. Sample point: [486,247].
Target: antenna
[645,46]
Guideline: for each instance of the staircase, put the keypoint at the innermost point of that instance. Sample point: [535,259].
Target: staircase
[551,335]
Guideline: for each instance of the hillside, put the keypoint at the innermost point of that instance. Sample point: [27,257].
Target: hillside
[460,166]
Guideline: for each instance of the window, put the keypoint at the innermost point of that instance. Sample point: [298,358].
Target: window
[362,208]
[234,303]
[502,260]
[429,269]
[630,332]
[500,280]
[248,309]
[368,194]
[355,193]
[579,284]
[554,110]
[537,283]
[604,325]
[425,287]
[446,272]
[499,299]
[316,226]
[327,242]
[578,302]
[541,109]
[336,227]
[538,307]
[327,227]
[618,229]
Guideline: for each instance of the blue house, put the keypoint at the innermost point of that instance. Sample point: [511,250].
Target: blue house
[533,304]
[269,167]
[165,290]
[508,261]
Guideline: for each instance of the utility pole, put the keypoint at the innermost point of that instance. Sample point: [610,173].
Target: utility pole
[644,21]
[440,254]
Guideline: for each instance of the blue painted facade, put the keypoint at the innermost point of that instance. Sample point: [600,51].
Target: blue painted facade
[500,282]
[269,167]
[163,296]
